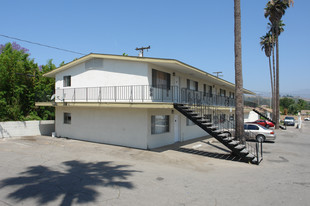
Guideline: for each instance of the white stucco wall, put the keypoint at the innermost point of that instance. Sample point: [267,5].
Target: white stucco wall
[118,126]
[113,73]
[250,116]
[26,128]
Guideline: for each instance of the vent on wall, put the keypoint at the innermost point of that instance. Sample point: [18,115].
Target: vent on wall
[94,63]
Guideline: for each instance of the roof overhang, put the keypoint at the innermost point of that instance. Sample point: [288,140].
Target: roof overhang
[167,63]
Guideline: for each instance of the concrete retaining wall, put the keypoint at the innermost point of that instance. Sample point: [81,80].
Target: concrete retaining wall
[26,128]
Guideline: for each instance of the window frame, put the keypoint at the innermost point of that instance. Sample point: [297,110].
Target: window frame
[193,83]
[155,75]
[67,81]
[158,118]
[67,118]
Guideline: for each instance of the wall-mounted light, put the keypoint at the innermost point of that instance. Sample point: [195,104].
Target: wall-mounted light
[172,111]
[173,74]
[213,86]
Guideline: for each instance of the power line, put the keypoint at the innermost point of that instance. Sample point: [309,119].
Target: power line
[44,45]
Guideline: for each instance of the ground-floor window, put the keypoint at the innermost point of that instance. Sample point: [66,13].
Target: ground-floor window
[160,124]
[189,122]
[222,118]
[232,117]
[67,118]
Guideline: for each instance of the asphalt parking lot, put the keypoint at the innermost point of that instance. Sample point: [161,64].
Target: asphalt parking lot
[51,171]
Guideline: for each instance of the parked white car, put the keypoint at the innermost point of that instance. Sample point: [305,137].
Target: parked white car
[307,119]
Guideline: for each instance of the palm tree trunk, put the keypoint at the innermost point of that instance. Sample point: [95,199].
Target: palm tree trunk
[271,82]
[238,73]
[277,81]
[274,82]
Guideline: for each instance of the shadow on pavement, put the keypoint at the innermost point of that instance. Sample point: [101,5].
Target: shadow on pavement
[76,182]
[216,155]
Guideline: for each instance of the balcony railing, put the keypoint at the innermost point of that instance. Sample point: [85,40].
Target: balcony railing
[141,93]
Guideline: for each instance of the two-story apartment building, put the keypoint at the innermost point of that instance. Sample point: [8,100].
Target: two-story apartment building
[128,101]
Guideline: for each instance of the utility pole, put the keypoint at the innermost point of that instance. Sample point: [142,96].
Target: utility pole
[141,49]
[218,74]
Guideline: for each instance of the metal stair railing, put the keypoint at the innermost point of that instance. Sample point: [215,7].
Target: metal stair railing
[217,125]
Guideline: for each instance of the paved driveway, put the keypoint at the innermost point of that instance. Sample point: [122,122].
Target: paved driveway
[50,171]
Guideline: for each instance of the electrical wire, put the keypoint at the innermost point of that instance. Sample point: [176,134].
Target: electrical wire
[44,45]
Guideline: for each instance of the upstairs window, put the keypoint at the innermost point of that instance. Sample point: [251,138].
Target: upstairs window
[232,95]
[67,81]
[204,90]
[222,93]
[160,79]
[94,63]
[192,85]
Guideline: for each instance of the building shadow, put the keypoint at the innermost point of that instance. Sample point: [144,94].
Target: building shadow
[75,181]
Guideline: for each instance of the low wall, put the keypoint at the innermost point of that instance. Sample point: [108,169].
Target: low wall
[26,128]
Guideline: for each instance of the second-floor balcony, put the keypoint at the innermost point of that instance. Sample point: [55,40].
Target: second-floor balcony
[141,93]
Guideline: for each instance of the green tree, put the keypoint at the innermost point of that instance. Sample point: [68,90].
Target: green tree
[21,81]
[17,77]
[238,73]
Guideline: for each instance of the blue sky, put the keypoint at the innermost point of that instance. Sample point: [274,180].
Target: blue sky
[198,32]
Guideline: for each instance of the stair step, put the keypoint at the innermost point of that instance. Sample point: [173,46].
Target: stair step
[201,120]
[244,151]
[223,135]
[218,131]
[240,146]
[251,156]
[193,113]
[233,142]
[227,139]
[254,161]
[207,124]
[213,127]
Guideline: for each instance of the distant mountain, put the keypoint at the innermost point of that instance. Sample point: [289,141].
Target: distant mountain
[303,93]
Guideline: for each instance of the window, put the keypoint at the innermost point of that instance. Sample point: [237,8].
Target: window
[232,95]
[252,127]
[222,118]
[94,63]
[67,118]
[210,91]
[192,85]
[204,90]
[222,92]
[160,79]
[189,122]
[67,81]
[160,124]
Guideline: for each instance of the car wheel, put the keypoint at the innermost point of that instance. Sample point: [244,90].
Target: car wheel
[267,126]
[260,138]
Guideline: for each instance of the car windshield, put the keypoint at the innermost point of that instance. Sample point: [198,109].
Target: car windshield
[289,117]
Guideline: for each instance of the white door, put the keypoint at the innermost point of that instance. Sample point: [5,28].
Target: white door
[176,89]
[176,128]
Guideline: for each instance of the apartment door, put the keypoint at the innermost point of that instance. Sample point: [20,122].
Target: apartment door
[176,128]
[176,89]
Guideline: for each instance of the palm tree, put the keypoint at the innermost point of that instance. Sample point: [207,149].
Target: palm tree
[238,73]
[267,45]
[275,9]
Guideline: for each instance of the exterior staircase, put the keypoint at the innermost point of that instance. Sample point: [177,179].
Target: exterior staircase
[237,148]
